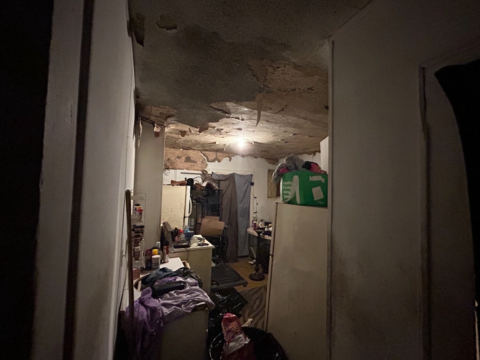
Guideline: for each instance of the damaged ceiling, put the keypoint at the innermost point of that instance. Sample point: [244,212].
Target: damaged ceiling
[242,77]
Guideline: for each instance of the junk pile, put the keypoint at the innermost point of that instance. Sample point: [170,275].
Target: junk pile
[226,301]
[166,296]
[207,182]
[237,346]
[293,163]
[244,343]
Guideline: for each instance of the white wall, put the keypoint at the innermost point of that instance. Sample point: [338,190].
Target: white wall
[107,172]
[317,157]
[377,142]
[148,180]
[57,180]
[324,151]
[109,144]
[241,165]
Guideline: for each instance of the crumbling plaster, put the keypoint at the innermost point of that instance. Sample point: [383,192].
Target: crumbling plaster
[197,160]
[217,67]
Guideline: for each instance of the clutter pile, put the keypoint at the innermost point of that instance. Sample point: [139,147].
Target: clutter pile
[244,343]
[164,272]
[293,163]
[167,296]
[237,345]
[226,301]
[207,182]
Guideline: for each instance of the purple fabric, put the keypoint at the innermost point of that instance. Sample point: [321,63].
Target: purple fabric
[151,314]
[177,303]
[148,320]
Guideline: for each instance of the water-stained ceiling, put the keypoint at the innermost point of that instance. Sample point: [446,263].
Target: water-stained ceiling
[243,77]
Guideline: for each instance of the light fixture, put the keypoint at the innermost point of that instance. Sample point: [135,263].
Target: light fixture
[241,143]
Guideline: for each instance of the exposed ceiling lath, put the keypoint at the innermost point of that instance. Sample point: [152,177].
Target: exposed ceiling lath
[241,77]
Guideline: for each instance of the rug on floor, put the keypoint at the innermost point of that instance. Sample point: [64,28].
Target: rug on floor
[255,309]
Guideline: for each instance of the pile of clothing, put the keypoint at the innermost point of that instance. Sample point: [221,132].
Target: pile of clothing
[164,272]
[167,296]
[293,163]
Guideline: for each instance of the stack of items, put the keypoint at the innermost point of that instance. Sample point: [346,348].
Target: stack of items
[138,229]
[226,301]
[244,343]
[303,182]
[237,346]
[167,296]
[152,257]
[293,163]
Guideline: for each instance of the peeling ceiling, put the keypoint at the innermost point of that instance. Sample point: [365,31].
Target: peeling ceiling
[242,77]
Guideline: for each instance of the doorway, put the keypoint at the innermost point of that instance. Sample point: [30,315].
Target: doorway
[449,236]
[461,84]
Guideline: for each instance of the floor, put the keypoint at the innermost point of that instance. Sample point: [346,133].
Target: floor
[255,308]
[255,293]
[245,269]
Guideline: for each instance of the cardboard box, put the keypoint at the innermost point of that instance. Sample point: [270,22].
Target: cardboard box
[211,226]
[305,188]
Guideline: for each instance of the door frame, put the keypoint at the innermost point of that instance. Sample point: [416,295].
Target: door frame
[435,108]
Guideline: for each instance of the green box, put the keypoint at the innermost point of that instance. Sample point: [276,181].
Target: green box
[305,188]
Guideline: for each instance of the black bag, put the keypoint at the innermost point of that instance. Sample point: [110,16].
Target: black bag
[160,289]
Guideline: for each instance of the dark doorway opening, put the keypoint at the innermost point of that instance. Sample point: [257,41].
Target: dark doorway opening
[461,84]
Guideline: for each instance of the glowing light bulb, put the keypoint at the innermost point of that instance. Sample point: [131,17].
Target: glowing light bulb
[241,143]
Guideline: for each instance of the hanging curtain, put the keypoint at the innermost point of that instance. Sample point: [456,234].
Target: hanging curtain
[235,212]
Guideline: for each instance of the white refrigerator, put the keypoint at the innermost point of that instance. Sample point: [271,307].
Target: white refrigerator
[296,312]
[176,205]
